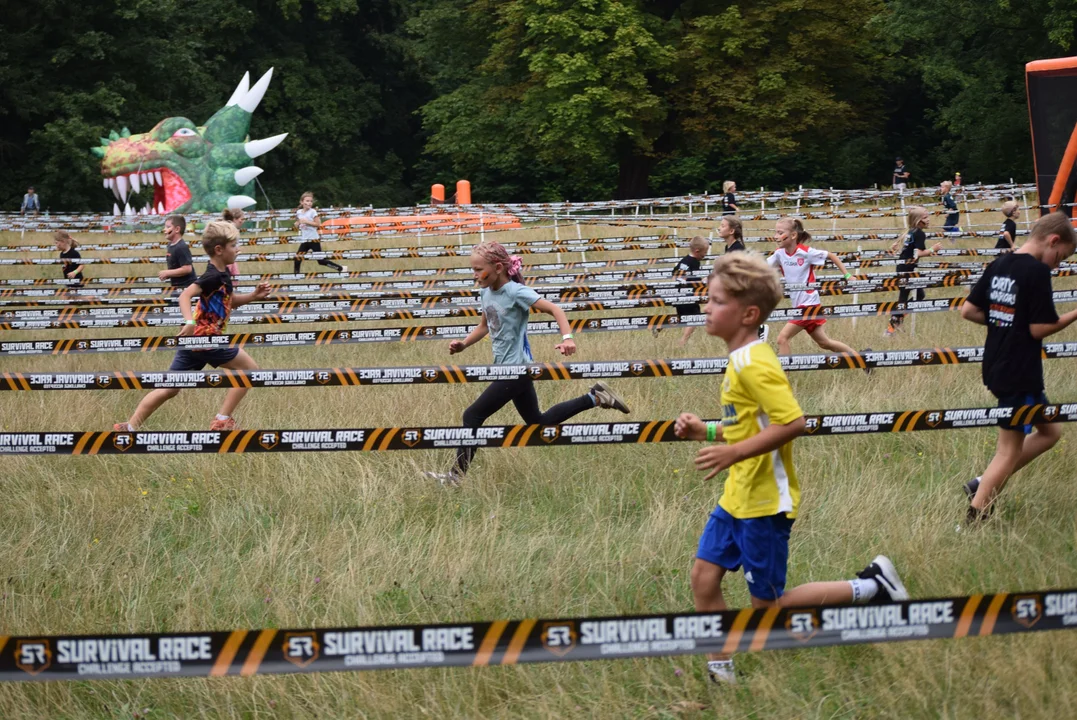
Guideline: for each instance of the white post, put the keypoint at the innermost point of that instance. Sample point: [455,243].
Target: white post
[482,230]
[1028,220]
[578,235]
[556,231]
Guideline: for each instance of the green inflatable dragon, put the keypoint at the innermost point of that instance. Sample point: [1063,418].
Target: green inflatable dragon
[190,168]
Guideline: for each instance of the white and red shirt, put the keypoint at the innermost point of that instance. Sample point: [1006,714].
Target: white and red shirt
[799,268]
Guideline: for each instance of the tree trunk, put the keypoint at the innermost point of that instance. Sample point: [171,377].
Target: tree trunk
[633,175]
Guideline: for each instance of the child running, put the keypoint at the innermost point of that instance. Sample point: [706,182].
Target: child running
[236,217]
[178,260]
[215,304]
[953,215]
[1008,234]
[308,223]
[1013,299]
[798,262]
[750,527]
[729,199]
[914,247]
[506,304]
[732,232]
[70,270]
[688,269]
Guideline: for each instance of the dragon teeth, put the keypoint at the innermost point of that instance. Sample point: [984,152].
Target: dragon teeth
[161,208]
[157,177]
[136,186]
[121,186]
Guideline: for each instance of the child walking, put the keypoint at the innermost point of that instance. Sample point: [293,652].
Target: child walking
[953,215]
[912,249]
[506,304]
[1008,235]
[70,270]
[308,223]
[1013,299]
[798,262]
[215,304]
[688,269]
[751,525]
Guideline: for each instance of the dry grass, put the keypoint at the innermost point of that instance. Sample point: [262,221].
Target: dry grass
[125,544]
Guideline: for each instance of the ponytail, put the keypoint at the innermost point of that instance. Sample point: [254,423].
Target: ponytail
[65,237]
[496,254]
[802,235]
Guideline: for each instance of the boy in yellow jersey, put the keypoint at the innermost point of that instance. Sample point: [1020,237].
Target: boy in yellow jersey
[760,418]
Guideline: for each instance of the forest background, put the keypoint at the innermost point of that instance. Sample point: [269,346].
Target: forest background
[533,100]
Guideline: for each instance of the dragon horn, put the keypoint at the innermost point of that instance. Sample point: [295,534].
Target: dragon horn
[241,90]
[125,133]
[260,147]
[238,202]
[245,175]
[98,151]
[251,99]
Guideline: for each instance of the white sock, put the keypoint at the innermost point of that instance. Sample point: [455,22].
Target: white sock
[222,417]
[863,590]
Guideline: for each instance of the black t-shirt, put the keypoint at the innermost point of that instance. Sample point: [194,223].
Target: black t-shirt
[735,246]
[688,266]
[899,174]
[1014,293]
[914,240]
[67,267]
[728,201]
[178,256]
[950,204]
[1011,227]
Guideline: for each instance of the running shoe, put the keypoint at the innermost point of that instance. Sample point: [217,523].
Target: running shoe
[446,479]
[971,487]
[763,332]
[722,672]
[882,571]
[122,427]
[606,398]
[221,425]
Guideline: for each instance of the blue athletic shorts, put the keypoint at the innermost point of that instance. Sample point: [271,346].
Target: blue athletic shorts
[1016,401]
[187,359]
[759,545]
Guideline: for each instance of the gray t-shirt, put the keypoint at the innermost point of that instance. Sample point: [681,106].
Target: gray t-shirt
[178,256]
[506,311]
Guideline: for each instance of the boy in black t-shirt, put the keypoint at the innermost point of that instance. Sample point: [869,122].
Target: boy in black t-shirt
[914,247]
[215,303]
[688,269]
[729,198]
[901,175]
[180,272]
[1013,299]
[953,215]
[1007,237]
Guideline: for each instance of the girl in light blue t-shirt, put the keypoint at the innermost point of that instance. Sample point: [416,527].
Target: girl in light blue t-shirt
[506,305]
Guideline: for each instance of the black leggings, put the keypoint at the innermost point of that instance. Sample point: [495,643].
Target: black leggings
[314,246]
[521,392]
[903,295]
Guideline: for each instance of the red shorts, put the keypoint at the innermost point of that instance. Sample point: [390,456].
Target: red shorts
[811,324]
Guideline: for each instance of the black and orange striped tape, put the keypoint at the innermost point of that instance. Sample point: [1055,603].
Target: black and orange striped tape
[533,640]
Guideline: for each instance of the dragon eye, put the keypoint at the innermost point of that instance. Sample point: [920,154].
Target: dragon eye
[184,132]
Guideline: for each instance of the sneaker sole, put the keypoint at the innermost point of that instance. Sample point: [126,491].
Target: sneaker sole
[889,572]
[969,492]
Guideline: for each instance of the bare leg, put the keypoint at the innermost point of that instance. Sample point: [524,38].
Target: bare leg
[1036,444]
[148,406]
[824,341]
[242,361]
[835,592]
[1002,465]
[687,334]
[707,592]
[787,334]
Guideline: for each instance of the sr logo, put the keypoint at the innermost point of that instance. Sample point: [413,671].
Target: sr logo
[811,424]
[926,357]
[123,441]
[257,339]
[1050,412]
[535,370]
[550,433]
[593,323]
[104,380]
[1026,610]
[322,376]
[559,638]
[33,656]
[343,335]
[214,378]
[428,331]
[301,649]
[802,625]
[637,368]
[430,374]
[268,440]
[412,437]
[833,360]
[934,418]
[82,344]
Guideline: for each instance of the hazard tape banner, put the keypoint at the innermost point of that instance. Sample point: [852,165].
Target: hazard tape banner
[462,374]
[534,640]
[492,436]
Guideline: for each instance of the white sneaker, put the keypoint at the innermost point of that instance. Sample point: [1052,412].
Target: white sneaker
[764,332]
[721,671]
[447,479]
[883,572]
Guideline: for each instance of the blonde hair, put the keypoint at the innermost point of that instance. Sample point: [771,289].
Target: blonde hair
[496,254]
[735,225]
[1010,207]
[64,238]
[750,281]
[308,192]
[727,186]
[699,243]
[917,214]
[1056,223]
[218,234]
[234,216]
[946,185]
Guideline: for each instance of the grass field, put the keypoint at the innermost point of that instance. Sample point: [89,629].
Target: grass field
[174,543]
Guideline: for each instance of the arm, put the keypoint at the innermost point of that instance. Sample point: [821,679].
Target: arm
[1041,330]
[185,299]
[717,458]
[480,331]
[261,292]
[567,347]
[837,261]
[1009,238]
[76,271]
[975,314]
[928,251]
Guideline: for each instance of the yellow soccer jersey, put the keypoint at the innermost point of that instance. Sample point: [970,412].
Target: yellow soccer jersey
[756,393]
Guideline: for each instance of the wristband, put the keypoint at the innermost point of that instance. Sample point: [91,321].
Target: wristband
[189,322]
[848,275]
[567,337]
[712,431]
